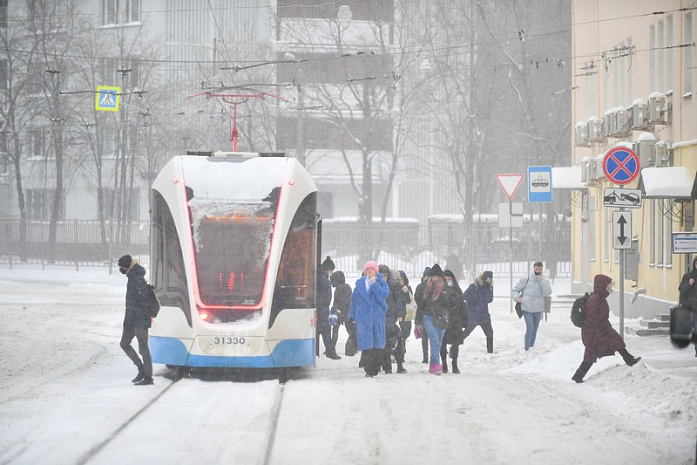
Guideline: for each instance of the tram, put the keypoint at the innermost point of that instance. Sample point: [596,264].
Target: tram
[234,261]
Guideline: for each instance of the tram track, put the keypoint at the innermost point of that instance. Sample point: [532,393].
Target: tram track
[91,453]
[271,410]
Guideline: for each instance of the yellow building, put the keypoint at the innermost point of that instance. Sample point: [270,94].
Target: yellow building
[635,76]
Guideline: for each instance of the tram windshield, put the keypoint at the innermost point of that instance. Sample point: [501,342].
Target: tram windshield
[232,228]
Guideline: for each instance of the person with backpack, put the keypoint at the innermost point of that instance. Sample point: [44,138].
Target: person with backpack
[598,335]
[137,319]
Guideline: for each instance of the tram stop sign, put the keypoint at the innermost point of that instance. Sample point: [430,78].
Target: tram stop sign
[621,165]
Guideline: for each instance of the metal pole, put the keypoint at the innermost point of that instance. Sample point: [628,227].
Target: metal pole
[510,251]
[622,266]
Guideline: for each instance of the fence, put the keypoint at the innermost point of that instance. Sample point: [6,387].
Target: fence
[77,242]
[405,245]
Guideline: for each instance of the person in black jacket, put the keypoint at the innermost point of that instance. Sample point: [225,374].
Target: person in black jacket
[688,297]
[457,320]
[324,299]
[341,304]
[396,311]
[137,320]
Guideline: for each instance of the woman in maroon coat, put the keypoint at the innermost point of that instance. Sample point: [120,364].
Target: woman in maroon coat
[600,339]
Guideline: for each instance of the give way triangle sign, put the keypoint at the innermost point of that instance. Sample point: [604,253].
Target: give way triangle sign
[510,183]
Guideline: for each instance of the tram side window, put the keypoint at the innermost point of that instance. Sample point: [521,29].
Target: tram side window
[295,283]
[168,272]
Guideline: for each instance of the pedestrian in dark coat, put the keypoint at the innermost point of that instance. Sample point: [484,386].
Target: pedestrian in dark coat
[396,311]
[324,299]
[407,298]
[368,309]
[597,333]
[478,296]
[688,297]
[457,320]
[341,304]
[136,321]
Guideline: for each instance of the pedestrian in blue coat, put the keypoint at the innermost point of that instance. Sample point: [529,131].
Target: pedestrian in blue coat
[368,309]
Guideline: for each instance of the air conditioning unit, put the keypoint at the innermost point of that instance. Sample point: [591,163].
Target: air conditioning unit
[663,153]
[595,130]
[581,134]
[623,125]
[645,149]
[598,172]
[584,169]
[609,123]
[640,114]
[658,113]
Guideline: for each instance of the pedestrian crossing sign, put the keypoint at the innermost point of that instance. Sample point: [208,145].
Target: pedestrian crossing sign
[108,98]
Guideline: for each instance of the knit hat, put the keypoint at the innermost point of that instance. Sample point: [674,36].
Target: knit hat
[370,264]
[436,271]
[125,261]
[328,264]
[487,275]
[427,270]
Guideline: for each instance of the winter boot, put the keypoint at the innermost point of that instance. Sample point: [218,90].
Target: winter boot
[444,358]
[456,370]
[581,372]
[629,359]
[145,381]
[140,376]
[400,368]
[435,369]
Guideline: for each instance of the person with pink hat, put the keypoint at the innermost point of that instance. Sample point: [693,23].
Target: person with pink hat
[368,309]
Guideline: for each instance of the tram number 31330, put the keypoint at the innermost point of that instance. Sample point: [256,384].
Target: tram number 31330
[228,340]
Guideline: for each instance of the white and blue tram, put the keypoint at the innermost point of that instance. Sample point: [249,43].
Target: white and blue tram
[234,261]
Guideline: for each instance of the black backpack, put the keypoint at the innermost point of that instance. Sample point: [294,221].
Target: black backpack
[578,310]
[153,303]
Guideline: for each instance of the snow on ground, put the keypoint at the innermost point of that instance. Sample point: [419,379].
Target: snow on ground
[66,389]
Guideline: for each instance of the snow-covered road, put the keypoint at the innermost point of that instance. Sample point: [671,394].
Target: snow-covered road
[66,397]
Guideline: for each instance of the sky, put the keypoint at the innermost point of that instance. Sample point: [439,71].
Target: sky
[66,395]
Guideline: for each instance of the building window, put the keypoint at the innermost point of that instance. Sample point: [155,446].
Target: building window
[3,14]
[116,12]
[39,203]
[35,143]
[121,73]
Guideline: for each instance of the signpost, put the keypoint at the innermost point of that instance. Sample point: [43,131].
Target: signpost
[621,166]
[108,98]
[539,184]
[621,230]
[624,198]
[510,184]
[685,242]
